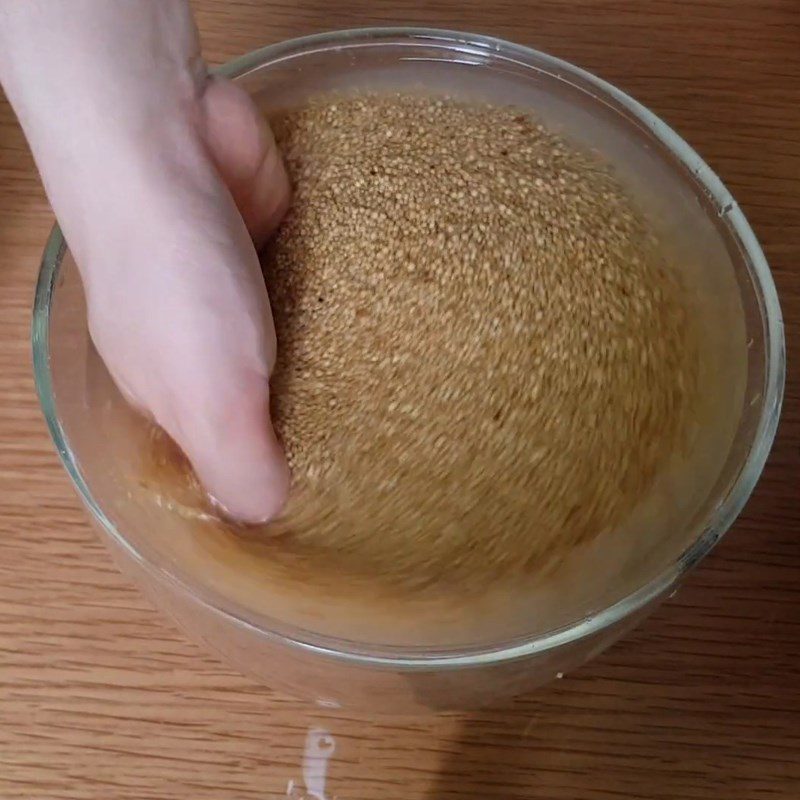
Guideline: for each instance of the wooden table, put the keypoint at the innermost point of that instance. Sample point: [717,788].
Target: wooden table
[101,698]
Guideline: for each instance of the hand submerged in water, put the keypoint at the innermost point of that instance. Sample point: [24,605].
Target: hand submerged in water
[162,179]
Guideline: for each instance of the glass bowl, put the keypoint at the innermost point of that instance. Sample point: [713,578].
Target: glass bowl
[92,429]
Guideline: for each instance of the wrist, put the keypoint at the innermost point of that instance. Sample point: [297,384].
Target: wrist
[83,73]
[108,93]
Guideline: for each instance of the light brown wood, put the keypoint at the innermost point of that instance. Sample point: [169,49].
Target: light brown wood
[101,698]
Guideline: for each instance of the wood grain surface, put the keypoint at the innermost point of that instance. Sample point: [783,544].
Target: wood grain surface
[101,698]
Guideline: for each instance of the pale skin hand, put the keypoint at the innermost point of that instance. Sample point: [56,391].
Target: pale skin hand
[161,178]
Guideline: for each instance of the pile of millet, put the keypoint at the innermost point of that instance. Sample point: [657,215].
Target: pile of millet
[484,358]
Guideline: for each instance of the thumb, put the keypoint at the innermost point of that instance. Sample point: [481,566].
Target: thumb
[230,442]
[182,321]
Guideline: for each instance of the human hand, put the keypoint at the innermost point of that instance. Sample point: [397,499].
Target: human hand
[161,179]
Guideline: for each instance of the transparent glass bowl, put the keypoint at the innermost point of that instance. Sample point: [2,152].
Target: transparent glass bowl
[335,671]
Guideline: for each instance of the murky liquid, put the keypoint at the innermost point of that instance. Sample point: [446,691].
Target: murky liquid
[594,575]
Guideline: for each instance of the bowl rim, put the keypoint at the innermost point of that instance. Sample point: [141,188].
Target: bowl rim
[410,658]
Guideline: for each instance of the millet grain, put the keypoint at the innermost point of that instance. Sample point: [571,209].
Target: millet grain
[483,358]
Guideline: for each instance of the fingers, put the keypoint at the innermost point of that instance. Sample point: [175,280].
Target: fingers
[244,151]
